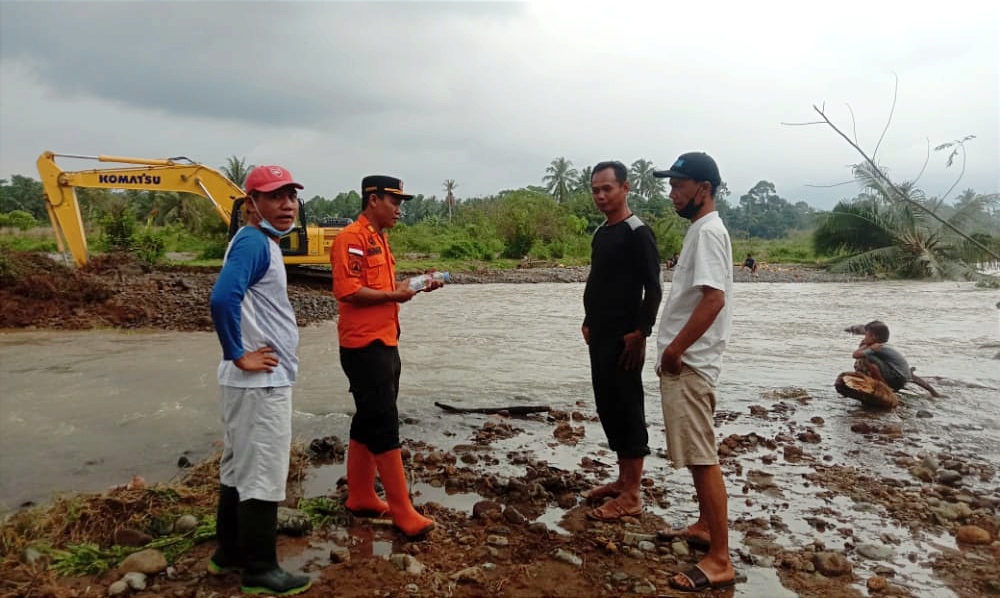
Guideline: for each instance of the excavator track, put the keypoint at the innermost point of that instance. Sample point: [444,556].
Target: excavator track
[315,277]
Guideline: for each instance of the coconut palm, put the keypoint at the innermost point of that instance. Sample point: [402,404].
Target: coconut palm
[644,184]
[236,169]
[584,180]
[449,200]
[885,232]
[560,178]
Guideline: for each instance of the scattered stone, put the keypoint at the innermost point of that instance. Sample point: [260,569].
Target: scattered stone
[949,477]
[293,522]
[680,548]
[875,552]
[892,429]
[185,523]
[877,584]
[644,587]
[150,561]
[470,575]
[952,511]
[924,414]
[567,557]
[792,453]
[183,462]
[135,580]
[118,588]
[861,428]
[486,509]
[831,564]
[407,563]
[973,534]
[634,538]
[494,540]
[810,436]
[513,516]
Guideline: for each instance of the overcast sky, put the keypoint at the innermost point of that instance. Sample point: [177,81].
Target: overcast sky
[489,93]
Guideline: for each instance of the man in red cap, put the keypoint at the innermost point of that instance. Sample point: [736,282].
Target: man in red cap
[368,296]
[256,326]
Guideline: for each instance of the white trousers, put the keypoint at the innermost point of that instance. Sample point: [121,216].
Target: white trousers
[257,424]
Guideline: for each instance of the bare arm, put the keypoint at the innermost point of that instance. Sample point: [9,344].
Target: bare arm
[863,348]
[711,304]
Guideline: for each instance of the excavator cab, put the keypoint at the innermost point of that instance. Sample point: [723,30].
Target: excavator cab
[295,242]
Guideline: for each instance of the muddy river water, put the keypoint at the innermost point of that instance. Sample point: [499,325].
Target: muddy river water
[84,410]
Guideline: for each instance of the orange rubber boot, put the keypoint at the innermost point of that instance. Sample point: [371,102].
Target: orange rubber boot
[404,516]
[362,500]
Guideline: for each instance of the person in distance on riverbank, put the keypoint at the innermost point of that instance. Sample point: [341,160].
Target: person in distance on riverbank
[620,300]
[256,326]
[368,296]
[695,325]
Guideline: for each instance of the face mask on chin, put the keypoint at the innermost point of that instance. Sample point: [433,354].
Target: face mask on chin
[690,209]
[269,228]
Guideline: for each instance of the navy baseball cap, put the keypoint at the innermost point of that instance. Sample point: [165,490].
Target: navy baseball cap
[698,166]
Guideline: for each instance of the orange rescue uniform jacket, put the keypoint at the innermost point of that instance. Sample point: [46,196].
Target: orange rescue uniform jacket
[360,257]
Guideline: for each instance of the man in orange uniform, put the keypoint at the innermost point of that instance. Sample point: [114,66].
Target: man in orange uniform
[364,284]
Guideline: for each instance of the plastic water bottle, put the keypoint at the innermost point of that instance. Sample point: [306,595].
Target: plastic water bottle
[419,283]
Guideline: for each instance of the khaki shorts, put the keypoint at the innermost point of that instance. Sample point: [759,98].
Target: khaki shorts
[688,402]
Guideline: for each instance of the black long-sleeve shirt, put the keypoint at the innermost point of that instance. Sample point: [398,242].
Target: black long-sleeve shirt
[623,289]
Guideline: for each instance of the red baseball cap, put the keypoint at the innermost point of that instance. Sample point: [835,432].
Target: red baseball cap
[269,178]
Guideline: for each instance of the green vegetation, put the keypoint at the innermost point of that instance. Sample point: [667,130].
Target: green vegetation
[552,223]
[885,232]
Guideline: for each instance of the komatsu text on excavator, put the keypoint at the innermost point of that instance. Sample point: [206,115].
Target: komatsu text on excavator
[304,245]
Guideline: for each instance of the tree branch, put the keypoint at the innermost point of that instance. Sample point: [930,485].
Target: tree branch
[888,183]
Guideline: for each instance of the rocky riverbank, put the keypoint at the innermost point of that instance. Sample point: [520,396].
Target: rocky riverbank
[512,524]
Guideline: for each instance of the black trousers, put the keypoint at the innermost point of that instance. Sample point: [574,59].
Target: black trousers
[373,372]
[620,399]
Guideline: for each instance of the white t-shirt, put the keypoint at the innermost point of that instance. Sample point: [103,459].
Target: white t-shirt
[705,260]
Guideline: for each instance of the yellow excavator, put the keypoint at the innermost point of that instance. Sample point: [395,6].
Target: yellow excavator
[304,245]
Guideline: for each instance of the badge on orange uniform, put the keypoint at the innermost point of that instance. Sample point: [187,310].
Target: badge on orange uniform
[354,256]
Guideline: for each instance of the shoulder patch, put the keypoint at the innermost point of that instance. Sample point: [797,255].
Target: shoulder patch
[634,222]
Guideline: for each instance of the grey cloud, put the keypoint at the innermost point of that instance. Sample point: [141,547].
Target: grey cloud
[264,63]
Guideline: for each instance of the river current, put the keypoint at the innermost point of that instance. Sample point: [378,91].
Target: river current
[80,411]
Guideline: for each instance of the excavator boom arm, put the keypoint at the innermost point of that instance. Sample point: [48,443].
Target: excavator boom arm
[307,245]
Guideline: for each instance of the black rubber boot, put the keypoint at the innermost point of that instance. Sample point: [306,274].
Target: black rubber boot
[258,541]
[226,558]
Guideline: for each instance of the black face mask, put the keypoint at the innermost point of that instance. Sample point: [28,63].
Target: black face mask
[690,208]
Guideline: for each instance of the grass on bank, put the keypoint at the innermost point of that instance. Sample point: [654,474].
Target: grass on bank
[73,535]
[421,248]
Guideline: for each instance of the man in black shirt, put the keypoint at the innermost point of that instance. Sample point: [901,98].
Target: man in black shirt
[620,303]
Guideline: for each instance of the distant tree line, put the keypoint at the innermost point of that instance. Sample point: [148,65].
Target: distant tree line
[557,217]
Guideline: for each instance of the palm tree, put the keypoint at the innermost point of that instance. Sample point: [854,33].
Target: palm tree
[644,184]
[884,231]
[584,180]
[236,169]
[560,178]
[449,187]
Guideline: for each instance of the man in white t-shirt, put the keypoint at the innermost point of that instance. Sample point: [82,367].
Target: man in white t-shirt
[694,328]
